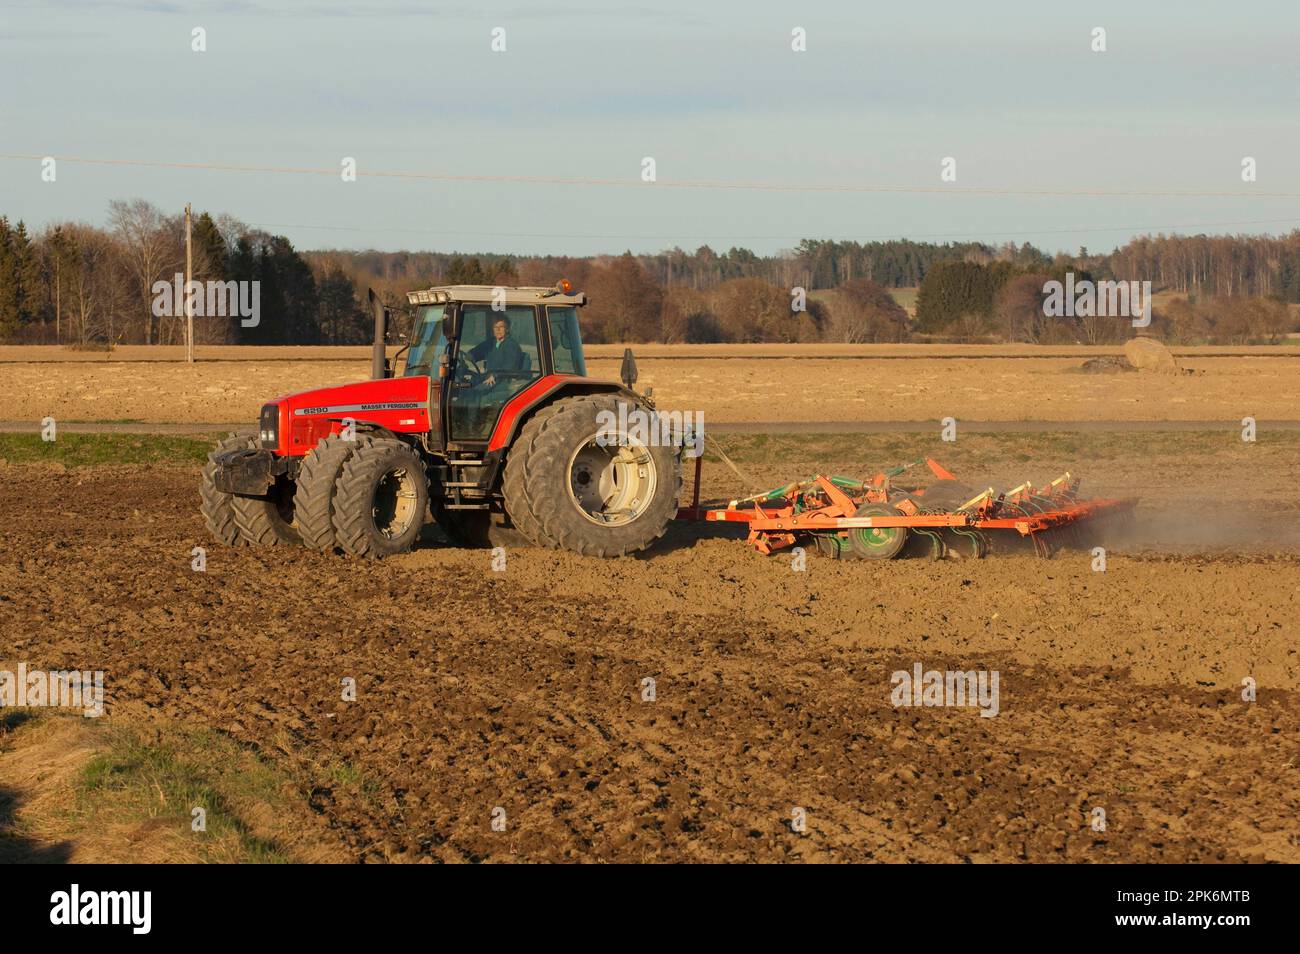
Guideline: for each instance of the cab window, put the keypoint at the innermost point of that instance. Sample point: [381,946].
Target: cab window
[566,345]
[427,342]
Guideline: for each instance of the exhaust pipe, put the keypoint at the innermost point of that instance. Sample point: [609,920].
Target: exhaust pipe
[379,356]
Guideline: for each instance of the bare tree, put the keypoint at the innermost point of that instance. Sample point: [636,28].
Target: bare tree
[1018,309]
[152,249]
[92,284]
[681,306]
[864,312]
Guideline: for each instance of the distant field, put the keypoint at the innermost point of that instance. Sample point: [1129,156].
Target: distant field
[23,354]
[906,297]
[728,383]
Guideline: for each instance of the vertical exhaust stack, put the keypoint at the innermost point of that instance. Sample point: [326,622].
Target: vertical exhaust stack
[379,359]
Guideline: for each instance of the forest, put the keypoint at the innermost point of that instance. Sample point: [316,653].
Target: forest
[87,286]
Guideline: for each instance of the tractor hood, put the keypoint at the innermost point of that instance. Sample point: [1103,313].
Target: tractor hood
[400,405]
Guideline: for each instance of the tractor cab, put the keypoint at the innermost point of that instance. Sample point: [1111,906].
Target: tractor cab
[483,345]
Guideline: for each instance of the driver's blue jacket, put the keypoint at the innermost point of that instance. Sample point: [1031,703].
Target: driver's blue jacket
[504,356]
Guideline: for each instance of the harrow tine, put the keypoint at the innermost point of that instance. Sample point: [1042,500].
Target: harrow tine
[1043,544]
[938,549]
[974,546]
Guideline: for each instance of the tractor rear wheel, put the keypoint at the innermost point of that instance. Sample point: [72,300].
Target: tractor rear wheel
[380,499]
[566,489]
[267,520]
[216,506]
[313,501]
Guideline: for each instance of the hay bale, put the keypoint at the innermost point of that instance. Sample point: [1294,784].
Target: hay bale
[1147,354]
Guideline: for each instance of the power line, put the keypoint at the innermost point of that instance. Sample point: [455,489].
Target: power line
[775,238]
[702,184]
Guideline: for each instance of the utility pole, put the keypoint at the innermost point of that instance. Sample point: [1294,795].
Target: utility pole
[189,276]
[58,304]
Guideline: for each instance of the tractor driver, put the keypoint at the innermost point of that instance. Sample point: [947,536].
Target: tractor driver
[499,357]
[499,354]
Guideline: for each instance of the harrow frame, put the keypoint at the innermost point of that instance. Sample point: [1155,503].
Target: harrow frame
[826,505]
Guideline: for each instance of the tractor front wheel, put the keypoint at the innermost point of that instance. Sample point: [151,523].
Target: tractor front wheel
[313,501]
[216,505]
[380,499]
[268,520]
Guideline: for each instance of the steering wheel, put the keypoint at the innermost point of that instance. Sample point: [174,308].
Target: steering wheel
[472,374]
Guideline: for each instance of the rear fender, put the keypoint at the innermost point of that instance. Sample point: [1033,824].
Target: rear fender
[521,408]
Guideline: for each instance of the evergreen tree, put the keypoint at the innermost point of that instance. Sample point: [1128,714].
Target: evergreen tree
[10,296]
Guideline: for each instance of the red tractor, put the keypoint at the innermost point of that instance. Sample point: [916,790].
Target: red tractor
[493,429]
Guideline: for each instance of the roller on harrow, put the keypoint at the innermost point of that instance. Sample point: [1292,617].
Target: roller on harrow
[844,518]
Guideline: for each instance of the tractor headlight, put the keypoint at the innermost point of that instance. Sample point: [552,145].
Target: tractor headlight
[269,427]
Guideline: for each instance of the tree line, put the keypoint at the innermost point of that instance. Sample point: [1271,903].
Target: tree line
[85,286]
[999,301]
[88,286]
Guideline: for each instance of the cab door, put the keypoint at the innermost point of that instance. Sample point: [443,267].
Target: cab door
[496,357]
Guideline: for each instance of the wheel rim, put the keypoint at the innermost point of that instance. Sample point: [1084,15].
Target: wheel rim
[877,543]
[395,502]
[877,538]
[611,484]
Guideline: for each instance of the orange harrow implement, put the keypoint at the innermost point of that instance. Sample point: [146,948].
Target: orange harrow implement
[851,519]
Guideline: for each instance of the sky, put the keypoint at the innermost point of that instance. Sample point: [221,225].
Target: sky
[713,92]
